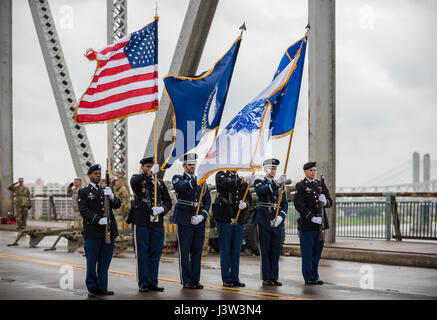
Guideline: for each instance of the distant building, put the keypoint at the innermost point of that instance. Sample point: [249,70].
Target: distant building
[41,205]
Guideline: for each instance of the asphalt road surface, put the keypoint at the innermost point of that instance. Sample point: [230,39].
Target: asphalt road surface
[32,273]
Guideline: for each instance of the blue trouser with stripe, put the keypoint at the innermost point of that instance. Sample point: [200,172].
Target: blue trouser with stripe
[270,240]
[190,243]
[148,243]
[98,258]
[230,241]
[311,251]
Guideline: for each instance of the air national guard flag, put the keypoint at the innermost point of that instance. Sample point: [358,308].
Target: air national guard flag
[126,78]
[284,114]
[198,103]
[242,145]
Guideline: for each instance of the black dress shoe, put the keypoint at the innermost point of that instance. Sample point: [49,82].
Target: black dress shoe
[318,281]
[238,284]
[277,283]
[155,288]
[310,282]
[188,285]
[268,283]
[92,293]
[104,292]
[197,285]
[144,289]
[228,284]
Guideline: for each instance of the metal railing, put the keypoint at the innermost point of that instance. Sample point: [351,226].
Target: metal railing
[415,220]
[381,216]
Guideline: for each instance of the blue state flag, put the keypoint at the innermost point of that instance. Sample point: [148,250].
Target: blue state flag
[284,110]
[198,103]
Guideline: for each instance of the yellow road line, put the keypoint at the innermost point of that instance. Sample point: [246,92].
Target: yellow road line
[123,273]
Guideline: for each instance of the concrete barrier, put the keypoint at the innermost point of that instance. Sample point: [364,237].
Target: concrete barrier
[406,259]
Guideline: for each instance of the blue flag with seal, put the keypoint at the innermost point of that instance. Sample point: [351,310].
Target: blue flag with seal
[284,113]
[198,103]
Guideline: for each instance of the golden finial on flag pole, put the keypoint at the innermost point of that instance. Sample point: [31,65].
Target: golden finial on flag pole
[156,10]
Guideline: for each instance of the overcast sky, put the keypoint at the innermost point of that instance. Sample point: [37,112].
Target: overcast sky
[386,79]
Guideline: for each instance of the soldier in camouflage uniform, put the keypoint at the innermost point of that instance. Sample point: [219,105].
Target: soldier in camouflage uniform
[122,192]
[72,192]
[22,202]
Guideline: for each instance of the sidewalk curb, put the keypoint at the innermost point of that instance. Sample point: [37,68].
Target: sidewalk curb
[418,260]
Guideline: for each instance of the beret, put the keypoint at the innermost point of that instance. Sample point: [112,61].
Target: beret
[94,168]
[309,165]
[147,160]
[271,163]
[189,158]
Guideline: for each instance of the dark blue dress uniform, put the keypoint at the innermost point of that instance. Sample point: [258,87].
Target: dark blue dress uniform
[306,202]
[147,236]
[98,253]
[190,237]
[230,191]
[270,238]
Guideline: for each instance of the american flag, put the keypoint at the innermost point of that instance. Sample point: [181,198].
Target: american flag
[126,78]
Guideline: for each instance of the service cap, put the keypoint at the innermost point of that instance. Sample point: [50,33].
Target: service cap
[269,163]
[94,168]
[147,160]
[309,165]
[189,158]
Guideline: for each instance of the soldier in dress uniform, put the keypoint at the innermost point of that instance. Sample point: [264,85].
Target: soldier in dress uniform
[309,192]
[269,227]
[191,227]
[121,190]
[230,191]
[22,202]
[98,253]
[147,223]
[73,191]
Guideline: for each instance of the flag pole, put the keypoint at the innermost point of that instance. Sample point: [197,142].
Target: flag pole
[235,220]
[242,28]
[308,27]
[155,136]
[285,170]
[156,155]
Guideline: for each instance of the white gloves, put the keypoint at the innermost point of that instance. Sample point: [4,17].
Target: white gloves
[317,220]
[197,219]
[157,210]
[249,179]
[155,169]
[277,221]
[322,199]
[282,178]
[103,221]
[108,192]
[242,205]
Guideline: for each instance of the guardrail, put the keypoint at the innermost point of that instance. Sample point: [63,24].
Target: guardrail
[381,216]
[376,215]
[56,207]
